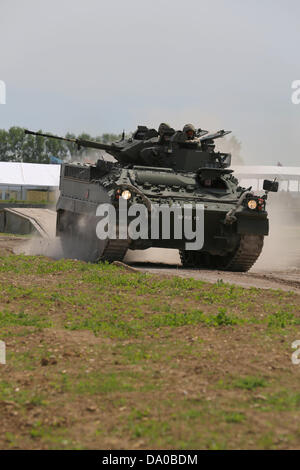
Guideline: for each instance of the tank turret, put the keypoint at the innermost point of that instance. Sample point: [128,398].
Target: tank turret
[146,147]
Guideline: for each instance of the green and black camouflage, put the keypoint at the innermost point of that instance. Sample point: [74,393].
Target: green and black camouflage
[172,170]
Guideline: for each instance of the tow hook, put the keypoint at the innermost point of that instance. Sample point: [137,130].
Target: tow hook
[230,216]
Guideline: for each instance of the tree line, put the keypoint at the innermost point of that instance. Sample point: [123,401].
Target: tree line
[16,146]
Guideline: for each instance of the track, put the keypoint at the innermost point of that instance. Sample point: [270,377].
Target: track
[115,250]
[248,251]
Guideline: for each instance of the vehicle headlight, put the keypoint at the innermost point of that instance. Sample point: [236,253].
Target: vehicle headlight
[252,204]
[126,194]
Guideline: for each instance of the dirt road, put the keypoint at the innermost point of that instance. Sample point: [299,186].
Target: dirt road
[277,277]
[285,279]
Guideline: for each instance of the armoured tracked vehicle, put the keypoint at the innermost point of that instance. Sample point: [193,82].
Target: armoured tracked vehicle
[164,168]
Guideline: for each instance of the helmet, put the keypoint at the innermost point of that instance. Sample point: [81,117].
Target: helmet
[163,127]
[189,127]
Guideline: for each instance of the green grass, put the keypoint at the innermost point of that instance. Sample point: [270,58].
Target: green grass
[11,392]
[234,417]
[22,318]
[163,362]
[15,235]
[282,318]
[104,303]
[249,383]
[282,400]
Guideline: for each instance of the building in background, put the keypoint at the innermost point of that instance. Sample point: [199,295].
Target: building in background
[35,182]
[30,182]
[287,176]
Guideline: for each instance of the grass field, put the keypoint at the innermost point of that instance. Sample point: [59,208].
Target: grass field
[99,357]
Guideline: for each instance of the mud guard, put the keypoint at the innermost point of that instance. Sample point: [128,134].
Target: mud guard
[245,225]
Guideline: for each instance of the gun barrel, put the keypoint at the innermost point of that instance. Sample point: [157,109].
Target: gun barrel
[49,136]
[78,142]
[216,135]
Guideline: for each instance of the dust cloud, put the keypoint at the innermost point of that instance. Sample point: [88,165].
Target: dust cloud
[281,249]
[50,247]
[77,243]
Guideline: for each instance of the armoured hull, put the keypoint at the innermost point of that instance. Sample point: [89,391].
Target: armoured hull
[234,246]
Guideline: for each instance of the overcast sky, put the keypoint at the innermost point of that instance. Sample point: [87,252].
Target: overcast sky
[101,66]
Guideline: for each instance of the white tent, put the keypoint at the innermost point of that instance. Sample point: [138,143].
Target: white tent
[288,176]
[254,170]
[29,174]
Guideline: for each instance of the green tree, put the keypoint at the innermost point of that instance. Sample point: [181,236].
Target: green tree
[15,146]
[108,138]
[16,139]
[4,146]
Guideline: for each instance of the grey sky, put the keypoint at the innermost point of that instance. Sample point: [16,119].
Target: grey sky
[99,66]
